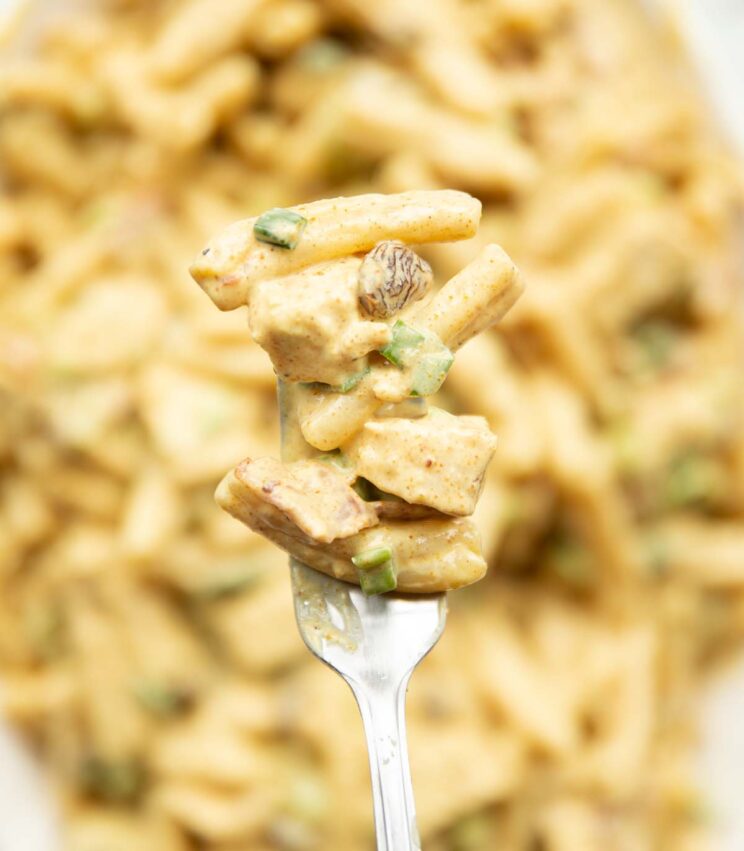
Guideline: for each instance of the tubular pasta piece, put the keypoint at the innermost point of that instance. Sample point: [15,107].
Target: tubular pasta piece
[197,35]
[234,261]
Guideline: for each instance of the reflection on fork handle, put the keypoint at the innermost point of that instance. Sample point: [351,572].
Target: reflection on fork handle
[382,706]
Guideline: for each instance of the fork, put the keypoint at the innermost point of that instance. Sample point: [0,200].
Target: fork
[374,643]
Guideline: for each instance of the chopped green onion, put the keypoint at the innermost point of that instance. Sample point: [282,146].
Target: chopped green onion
[379,580]
[348,384]
[280,227]
[426,355]
[430,372]
[376,570]
[367,559]
[403,340]
[351,382]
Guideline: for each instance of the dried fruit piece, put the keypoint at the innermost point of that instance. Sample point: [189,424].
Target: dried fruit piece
[391,277]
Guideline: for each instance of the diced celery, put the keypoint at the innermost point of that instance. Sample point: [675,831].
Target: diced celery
[351,382]
[375,557]
[280,227]
[422,352]
[379,580]
[403,340]
[376,570]
[430,372]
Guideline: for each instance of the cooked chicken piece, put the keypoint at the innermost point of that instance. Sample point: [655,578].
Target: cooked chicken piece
[311,326]
[432,555]
[438,460]
[309,498]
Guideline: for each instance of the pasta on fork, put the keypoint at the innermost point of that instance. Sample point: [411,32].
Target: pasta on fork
[377,486]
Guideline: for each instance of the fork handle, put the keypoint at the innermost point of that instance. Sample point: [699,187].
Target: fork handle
[383,711]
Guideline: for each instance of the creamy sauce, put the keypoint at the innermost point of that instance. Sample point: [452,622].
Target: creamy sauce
[352,483]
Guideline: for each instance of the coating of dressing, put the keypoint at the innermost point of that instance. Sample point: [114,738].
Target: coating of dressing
[476,298]
[439,460]
[228,267]
[429,553]
[310,324]
[313,498]
[374,486]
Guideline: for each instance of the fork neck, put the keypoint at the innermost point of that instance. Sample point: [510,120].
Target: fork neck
[382,706]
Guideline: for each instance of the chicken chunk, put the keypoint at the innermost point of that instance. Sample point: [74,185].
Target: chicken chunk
[309,498]
[436,554]
[438,460]
[311,326]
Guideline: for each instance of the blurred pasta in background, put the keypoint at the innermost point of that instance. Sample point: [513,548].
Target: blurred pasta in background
[147,642]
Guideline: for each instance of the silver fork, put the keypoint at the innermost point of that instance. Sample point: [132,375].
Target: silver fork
[374,643]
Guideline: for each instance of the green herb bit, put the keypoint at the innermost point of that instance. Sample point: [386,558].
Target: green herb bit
[161,699]
[322,55]
[425,353]
[570,561]
[430,372]
[351,382]
[379,580]
[375,557]
[376,570]
[694,478]
[404,339]
[657,340]
[472,833]
[280,227]
[115,781]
